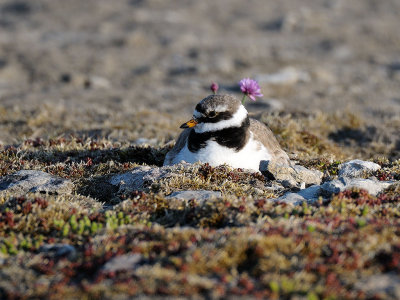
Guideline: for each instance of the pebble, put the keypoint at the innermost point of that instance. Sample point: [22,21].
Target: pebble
[356,168]
[200,195]
[59,250]
[286,76]
[122,263]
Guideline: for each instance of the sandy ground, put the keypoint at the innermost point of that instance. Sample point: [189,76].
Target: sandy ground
[133,69]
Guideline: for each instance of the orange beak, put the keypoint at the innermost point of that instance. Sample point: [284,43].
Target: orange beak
[189,124]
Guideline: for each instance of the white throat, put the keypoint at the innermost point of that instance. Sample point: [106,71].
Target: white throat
[236,121]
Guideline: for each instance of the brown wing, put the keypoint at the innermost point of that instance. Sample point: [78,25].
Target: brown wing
[180,143]
[267,138]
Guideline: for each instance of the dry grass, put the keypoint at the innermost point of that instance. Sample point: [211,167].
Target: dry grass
[240,244]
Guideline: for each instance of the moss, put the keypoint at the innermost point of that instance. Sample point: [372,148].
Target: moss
[239,244]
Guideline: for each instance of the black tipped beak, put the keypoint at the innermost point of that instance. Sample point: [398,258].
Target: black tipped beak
[189,124]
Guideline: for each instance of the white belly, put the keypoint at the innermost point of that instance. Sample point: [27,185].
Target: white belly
[248,157]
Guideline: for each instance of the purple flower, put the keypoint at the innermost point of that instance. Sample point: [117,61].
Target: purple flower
[214,87]
[250,88]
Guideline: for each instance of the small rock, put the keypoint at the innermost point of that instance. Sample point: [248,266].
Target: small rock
[141,178]
[98,82]
[312,193]
[26,181]
[308,195]
[372,186]
[59,250]
[274,187]
[307,176]
[286,76]
[289,175]
[356,168]
[292,198]
[200,195]
[133,179]
[386,285]
[122,263]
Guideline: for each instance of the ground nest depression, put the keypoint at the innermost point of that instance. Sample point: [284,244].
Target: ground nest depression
[85,218]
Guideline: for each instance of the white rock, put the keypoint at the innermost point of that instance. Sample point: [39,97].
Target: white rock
[308,195]
[373,186]
[292,198]
[200,195]
[286,76]
[386,284]
[26,181]
[142,177]
[356,168]
[100,82]
[122,263]
[291,174]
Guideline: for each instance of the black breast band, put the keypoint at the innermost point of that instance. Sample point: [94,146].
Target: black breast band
[233,137]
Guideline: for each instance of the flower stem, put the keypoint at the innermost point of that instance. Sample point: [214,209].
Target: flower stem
[243,99]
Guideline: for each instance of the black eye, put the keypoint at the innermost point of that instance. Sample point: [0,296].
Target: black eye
[212,114]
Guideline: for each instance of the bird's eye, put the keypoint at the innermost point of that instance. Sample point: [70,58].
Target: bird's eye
[212,114]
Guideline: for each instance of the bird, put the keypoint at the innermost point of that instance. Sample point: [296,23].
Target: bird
[221,132]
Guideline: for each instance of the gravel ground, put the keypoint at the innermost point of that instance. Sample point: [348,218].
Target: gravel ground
[135,69]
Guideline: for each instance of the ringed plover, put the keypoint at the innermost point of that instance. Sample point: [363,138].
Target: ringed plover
[221,132]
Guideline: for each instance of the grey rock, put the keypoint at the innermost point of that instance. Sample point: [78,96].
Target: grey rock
[122,263]
[286,76]
[291,198]
[307,176]
[387,285]
[98,82]
[289,175]
[25,181]
[356,168]
[279,171]
[311,193]
[274,187]
[141,178]
[308,195]
[289,183]
[133,179]
[200,195]
[59,250]
[373,186]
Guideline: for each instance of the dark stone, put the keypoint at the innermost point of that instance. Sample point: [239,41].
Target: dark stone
[273,25]
[65,78]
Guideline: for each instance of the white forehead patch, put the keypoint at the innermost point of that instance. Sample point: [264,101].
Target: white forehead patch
[221,108]
[236,121]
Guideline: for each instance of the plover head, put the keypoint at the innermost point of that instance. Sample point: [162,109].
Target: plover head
[217,112]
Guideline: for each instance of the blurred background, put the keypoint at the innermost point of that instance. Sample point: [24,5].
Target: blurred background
[132,70]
